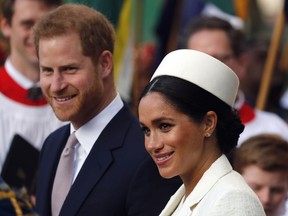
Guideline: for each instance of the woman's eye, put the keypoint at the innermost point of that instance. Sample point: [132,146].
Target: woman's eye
[165,126]
[145,130]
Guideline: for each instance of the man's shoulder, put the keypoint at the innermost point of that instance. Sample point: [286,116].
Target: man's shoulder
[56,134]
[264,122]
[265,116]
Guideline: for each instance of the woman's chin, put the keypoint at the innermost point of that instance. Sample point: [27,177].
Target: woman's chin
[165,174]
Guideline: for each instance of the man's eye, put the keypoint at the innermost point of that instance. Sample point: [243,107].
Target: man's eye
[70,69]
[28,24]
[277,190]
[46,70]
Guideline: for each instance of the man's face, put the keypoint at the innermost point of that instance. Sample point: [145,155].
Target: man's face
[216,44]
[19,32]
[71,82]
[270,187]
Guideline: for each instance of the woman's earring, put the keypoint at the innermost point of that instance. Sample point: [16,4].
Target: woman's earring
[207,135]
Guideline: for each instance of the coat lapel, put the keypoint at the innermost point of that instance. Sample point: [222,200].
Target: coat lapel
[217,170]
[94,167]
[173,202]
[54,146]
[97,162]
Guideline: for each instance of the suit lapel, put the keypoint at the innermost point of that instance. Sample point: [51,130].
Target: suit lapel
[95,165]
[97,162]
[54,146]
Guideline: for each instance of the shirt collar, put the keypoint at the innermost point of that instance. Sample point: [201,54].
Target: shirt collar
[89,133]
[18,77]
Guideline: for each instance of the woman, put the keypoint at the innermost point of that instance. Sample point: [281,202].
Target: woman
[189,124]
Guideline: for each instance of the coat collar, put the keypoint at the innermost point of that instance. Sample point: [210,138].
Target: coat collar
[12,90]
[217,170]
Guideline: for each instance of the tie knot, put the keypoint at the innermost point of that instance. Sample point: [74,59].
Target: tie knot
[70,145]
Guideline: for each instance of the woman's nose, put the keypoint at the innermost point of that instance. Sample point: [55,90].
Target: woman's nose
[153,143]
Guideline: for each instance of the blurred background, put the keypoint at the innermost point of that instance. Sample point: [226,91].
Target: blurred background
[149,29]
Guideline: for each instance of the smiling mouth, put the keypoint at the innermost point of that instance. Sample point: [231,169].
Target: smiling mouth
[163,158]
[63,99]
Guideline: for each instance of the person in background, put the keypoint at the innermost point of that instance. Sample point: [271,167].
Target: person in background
[3,49]
[218,38]
[186,114]
[262,161]
[110,172]
[14,203]
[257,53]
[24,112]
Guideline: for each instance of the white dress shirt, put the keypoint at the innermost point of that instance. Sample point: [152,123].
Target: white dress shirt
[89,133]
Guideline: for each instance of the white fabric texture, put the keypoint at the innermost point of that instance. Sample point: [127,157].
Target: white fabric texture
[220,192]
[32,123]
[263,122]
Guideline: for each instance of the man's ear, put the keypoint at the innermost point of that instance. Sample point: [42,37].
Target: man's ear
[5,27]
[210,122]
[106,63]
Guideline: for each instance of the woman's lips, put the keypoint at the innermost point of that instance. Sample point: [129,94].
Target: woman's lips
[162,158]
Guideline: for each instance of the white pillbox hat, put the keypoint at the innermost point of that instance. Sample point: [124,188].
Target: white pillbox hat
[203,70]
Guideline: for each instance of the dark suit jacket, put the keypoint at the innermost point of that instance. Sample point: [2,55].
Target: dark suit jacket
[117,178]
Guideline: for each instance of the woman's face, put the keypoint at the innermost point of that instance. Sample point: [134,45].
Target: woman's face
[174,141]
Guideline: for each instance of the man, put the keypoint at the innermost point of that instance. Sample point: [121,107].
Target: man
[262,161]
[219,39]
[112,174]
[24,114]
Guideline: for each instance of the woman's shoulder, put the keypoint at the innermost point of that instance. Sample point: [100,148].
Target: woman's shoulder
[232,194]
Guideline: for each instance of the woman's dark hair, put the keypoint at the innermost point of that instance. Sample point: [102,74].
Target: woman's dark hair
[195,102]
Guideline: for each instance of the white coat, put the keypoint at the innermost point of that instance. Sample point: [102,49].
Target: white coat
[220,192]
